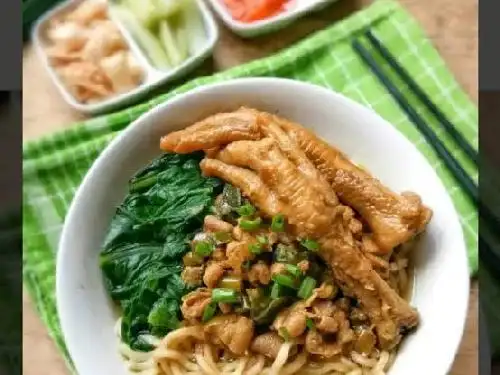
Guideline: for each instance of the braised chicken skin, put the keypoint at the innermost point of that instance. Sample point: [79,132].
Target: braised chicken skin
[334,212]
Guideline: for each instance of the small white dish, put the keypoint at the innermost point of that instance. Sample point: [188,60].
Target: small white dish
[295,9]
[153,77]
[441,287]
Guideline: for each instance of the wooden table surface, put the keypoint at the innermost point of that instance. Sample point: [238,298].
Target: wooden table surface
[452,25]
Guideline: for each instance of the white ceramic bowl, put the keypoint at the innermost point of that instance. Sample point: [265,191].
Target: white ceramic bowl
[294,10]
[153,77]
[442,281]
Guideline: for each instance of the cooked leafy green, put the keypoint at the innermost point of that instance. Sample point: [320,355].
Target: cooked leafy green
[149,234]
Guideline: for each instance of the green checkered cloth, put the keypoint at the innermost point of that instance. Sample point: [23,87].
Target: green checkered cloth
[54,166]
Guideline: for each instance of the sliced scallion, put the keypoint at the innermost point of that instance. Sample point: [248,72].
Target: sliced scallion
[225,295]
[203,248]
[310,245]
[306,288]
[246,210]
[310,323]
[250,225]
[255,248]
[276,291]
[293,270]
[278,223]
[285,280]
[263,240]
[209,312]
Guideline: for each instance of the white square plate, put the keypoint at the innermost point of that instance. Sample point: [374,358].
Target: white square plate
[153,77]
[294,10]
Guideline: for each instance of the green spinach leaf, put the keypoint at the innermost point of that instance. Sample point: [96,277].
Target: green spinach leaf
[150,232]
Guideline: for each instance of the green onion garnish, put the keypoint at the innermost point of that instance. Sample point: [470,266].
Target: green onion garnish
[225,295]
[209,312]
[306,288]
[250,225]
[283,332]
[203,248]
[246,210]
[223,237]
[255,248]
[258,247]
[294,270]
[262,240]
[278,223]
[276,291]
[310,245]
[310,323]
[285,280]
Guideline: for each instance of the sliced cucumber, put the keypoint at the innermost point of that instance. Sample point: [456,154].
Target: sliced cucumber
[181,35]
[143,10]
[168,8]
[194,25]
[169,43]
[151,12]
[146,39]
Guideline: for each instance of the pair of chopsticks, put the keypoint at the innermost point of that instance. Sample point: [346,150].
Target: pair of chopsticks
[487,242]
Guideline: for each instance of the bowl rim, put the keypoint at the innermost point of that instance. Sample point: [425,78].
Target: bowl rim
[134,128]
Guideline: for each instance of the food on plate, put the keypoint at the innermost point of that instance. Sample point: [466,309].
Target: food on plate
[89,54]
[254,247]
[168,31]
[254,10]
